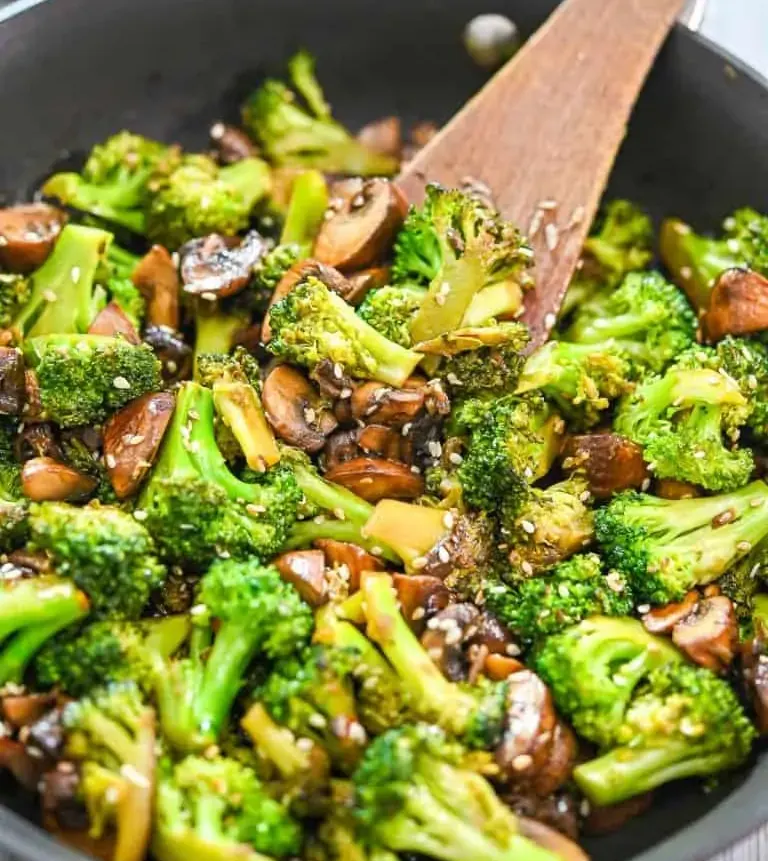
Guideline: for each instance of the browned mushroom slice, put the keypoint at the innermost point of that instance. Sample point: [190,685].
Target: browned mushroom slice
[376,403]
[231,144]
[709,634]
[25,768]
[500,667]
[373,479]
[610,463]
[360,233]
[44,479]
[550,839]
[738,305]
[384,442]
[332,278]
[157,279]
[31,562]
[112,321]
[661,620]
[421,596]
[357,560]
[132,439]
[671,488]
[38,440]
[361,283]
[305,570]
[24,709]
[210,265]
[384,135]
[612,817]
[446,637]
[340,447]
[12,381]
[27,235]
[536,750]
[296,410]
[754,665]
[171,349]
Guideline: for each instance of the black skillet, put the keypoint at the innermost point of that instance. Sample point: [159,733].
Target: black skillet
[73,71]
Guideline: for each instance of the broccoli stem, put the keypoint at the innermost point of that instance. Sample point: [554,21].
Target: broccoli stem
[305,532]
[625,771]
[135,807]
[275,743]
[410,530]
[17,655]
[333,497]
[239,406]
[496,300]
[306,210]
[431,693]
[62,299]
[215,330]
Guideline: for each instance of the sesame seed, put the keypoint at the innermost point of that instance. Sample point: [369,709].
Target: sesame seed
[133,439]
[418,613]
[686,272]
[577,216]
[643,609]
[420,562]
[646,484]
[528,527]
[340,514]
[533,227]
[254,509]
[317,721]
[435,448]
[448,520]
[614,581]
[121,383]
[443,555]
[140,514]
[217,131]
[551,236]
[455,458]
[440,299]
[522,761]
[699,455]
[309,415]
[75,274]
[512,649]
[744,546]
[338,371]
[111,461]
[345,393]
[549,320]
[527,568]
[49,296]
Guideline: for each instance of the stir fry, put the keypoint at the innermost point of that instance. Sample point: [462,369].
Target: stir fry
[308,554]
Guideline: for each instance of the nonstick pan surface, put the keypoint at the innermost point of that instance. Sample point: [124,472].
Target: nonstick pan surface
[74,71]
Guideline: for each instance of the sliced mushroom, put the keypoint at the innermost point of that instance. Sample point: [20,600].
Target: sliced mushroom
[25,768]
[612,817]
[157,278]
[333,382]
[33,406]
[610,463]
[210,265]
[361,231]
[421,597]
[132,438]
[38,440]
[361,283]
[559,810]
[384,135]
[31,562]
[12,381]
[709,634]
[305,570]
[738,305]
[231,144]
[44,479]
[551,840]
[537,750]
[21,710]
[671,488]
[341,447]
[172,350]
[112,322]
[754,664]
[384,442]
[446,638]
[373,479]
[356,560]
[375,403]
[296,410]
[27,235]
[500,667]
[662,620]
[332,278]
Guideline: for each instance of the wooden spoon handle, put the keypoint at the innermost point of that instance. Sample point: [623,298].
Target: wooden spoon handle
[544,132]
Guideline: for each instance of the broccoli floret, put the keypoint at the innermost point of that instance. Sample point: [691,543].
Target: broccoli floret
[15,292]
[199,198]
[593,668]
[236,398]
[473,714]
[107,553]
[64,299]
[313,324]
[685,722]
[746,362]
[572,591]
[32,612]
[312,694]
[682,420]
[110,651]
[391,309]
[116,277]
[196,508]
[742,583]
[302,133]
[581,380]
[112,735]
[13,504]
[667,547]
[116,181]
[513,443]
[268,273]
[696,261]
[84,378]
[648,319]
[218,808]
[554,523]
[306,211]
[256,613]
[458,245]
[414,795]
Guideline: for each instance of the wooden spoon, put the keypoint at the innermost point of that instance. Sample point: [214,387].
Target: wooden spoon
[544,132]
